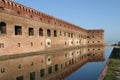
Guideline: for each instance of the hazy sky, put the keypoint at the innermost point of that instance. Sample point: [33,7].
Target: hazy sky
[89,14]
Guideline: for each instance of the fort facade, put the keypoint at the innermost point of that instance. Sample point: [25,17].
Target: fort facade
[24,30]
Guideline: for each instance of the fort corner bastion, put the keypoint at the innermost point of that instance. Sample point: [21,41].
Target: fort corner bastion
[24,30]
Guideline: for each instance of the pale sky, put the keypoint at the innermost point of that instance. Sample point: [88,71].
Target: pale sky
[89,14]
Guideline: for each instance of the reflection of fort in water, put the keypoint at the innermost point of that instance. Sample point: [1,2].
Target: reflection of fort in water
[51,66]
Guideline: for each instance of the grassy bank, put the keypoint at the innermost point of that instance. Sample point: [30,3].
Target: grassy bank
[113,72]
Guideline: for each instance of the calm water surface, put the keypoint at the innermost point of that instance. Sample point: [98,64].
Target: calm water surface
[73,64]
[91,70]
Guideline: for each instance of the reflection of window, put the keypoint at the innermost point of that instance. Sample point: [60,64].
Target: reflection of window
[48,32]
[2,28]
[56,67]
[18,30]
[19,78]
[42,72]
[50,70]
[31,31]
[40,32]
[32,76]
[2,70]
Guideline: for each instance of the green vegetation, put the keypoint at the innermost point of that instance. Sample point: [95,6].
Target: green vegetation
[113,70]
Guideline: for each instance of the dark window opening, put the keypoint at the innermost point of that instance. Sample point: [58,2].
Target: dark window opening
[49,59]
[19,67]
[32,76]
[61,66]
[69,62]
[65,55]
[60,33]
[31,16]
[31,31]
[31,44]
[72,53]
[93,42]
[41,61]
[32,63]
[48,32]
[20,78]
[18,12]
[98,41]
[65,43]
[56,67]
[18,44]
[41,19]
[99,49]
[42,72]
[71,35]
[88,36]
[40,32]
[18,30]
[50,70]
[1,8]
[48,43]
[79,41]
[55,33]
[1,45]
[41,43]
[68,34]
[48,21]
[2,28]
[71,42]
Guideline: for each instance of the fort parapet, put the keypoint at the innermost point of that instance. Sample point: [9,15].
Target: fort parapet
[23,29]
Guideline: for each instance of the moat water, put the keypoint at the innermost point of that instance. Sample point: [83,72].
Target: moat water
[74,64]
[91,70]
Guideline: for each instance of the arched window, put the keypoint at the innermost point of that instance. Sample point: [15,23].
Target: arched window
[71,35]
[55,33]
[2,28]
[40,32]
[48,32]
